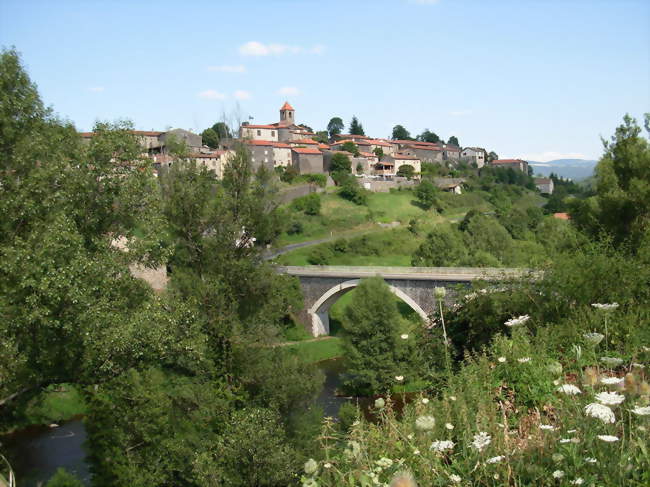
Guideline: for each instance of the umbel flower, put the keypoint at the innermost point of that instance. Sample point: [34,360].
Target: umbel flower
[311,466]
[495,459]
[608,438]
[425,423]
[593,338]
[481,440]
[641,411]
[610,381]
[604,413]
[611,361]
[558,474]
[606,306]
[548,427]
[442,445]
[519,320]
[569,389]
[610,398]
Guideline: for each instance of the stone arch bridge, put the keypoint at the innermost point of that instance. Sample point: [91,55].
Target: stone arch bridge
[322,286]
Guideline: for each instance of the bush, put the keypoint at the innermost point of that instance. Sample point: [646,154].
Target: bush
[427,195]
[340,163]
[406,171]
[350,190]
[295,228]
[320,255]
[443,247]
[309,204]
[317,179]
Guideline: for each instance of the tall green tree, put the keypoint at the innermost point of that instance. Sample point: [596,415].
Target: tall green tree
[427,194]
[351,147]
[400,133]
[340,164]
[453,140]
[443,247]
[335,126]
[428,136]
[355,127]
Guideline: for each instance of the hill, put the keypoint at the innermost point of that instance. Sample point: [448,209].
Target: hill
[575,169]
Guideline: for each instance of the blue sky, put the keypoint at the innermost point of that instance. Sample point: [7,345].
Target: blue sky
[533,79]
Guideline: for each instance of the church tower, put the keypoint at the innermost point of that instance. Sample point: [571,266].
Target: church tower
[287,114]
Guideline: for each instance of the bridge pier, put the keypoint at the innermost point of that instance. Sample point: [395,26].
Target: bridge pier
[320,323]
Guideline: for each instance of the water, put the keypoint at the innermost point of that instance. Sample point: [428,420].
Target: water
[36,452]
[328,399]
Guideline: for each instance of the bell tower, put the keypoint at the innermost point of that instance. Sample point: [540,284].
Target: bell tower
[287,114]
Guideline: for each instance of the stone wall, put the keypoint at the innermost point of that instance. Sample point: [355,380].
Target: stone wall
[290,194]
[384,186]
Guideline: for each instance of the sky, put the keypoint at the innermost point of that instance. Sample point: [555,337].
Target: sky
[535,79]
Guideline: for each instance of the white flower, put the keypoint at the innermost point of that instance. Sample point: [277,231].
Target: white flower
[569,389]
[449,426]
[495,459]
[481,440]
[611,361]
[604,413]
[558,474]
[409,436]
[608,438]
[548,427]
[523,360]
[501,359]
[455,478]
[610,398]
[572,431]
[425,400]
[641,411]
[638,366]
[577,481]
[593,338]
[442,445]
[384,462]
[452,398]
[416,452]
[399,378]
[379,403]
[439,292]
[404,336]
[311,466]
[591,460]
[519,320]
[425,423]
[605,307]
[565,440]
[327,465]
[611,380]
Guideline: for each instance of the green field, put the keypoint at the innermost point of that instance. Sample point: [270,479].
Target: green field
[316,351]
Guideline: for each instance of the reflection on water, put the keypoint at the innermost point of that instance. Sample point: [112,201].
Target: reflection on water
[37,452]
[328,399]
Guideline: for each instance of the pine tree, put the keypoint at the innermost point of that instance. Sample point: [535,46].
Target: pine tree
[355,127]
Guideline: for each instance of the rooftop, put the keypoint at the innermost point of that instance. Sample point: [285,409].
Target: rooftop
[286,106]
[305,150]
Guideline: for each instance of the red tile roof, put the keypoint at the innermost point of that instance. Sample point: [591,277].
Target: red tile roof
[260,126]
[561,216]
[305,150]
[403,156]
[379,142]
[304,141]
[367,154]
[323,146]
[286,106]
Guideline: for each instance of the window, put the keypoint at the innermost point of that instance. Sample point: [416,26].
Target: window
[272,133]
[259,133]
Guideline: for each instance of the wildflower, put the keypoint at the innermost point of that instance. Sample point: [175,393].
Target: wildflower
[501,359]
[455,478]
[604,413]
[442,445]
[495,459]
[641,411]
[523,360]
[577,481]
[380,403]
[575,440]
[554,368]
[399,378]
[611,361]
[353,451]
[569,389]
[565,440]
[557,457]
[572,431]
[425,400]
[519,320]
[409,436]
[605,307]
[416,452]
[591,460]
[608,438]
[384,462]
[638,366]
[610,381]
[311,467]
[425,423]
[548,427]
[403,479]
[404,336]
[452,398]
[610,398]
[439,292]
[558,474]
[481,440]
[327,465]
[449,426]
[593,338]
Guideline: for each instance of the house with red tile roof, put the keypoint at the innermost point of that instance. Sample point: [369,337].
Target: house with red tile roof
[307,160]
[283,131]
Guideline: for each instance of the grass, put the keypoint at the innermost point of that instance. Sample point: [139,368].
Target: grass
[395,206]
[57,402]
[318,350]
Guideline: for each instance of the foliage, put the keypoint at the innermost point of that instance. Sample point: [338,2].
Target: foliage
[400,133]
[406,170]
[309,204]
[427,195]
[321,136]
[340,164]
[62,478]
[453,140]
[428,136]
[443,247]
[350,189]
[351,147]
[355,127]
[492,156]
[379,152]
[212,136]
[335,126]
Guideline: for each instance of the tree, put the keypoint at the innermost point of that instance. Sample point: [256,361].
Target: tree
[63,478]
[379,152]
[321,136]
[453,140]
[306,127]
[492,156]
[355,127]
[443,247]
[210,138]
[427,194]
[335,126]
[406,171]
[428,136]
[351,147]
[340,163]
[349,189]
[371,342]
[400,133]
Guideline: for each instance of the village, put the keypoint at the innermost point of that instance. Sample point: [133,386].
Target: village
[378,163]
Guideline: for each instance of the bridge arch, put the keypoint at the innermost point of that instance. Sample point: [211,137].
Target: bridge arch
[319,312]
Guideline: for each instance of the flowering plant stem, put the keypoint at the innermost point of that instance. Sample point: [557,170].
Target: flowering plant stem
[444,335]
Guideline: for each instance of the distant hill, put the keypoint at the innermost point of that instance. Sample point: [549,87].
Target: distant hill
[575,169]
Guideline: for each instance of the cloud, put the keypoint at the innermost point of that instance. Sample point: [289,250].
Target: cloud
[240,68]
[242,95]
[460,113]
[96,89]
[551,156]
[289,91]
[211,95]
[254,48]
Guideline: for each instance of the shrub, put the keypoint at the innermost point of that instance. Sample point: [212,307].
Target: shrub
[350,190]
[406,171]
[442,247]
[320,255]
[295,228]
[427,195]
[309,204]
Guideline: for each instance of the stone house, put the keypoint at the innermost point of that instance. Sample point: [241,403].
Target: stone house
[451,185]
[307,160]
[385,146]
[400,160]
[214,161]
[475,155]
[269,153]
[516,164]
[283,131]
[544,185]
[154,142]
[450,152]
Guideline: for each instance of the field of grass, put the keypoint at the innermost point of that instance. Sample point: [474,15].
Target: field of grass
[318,350]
